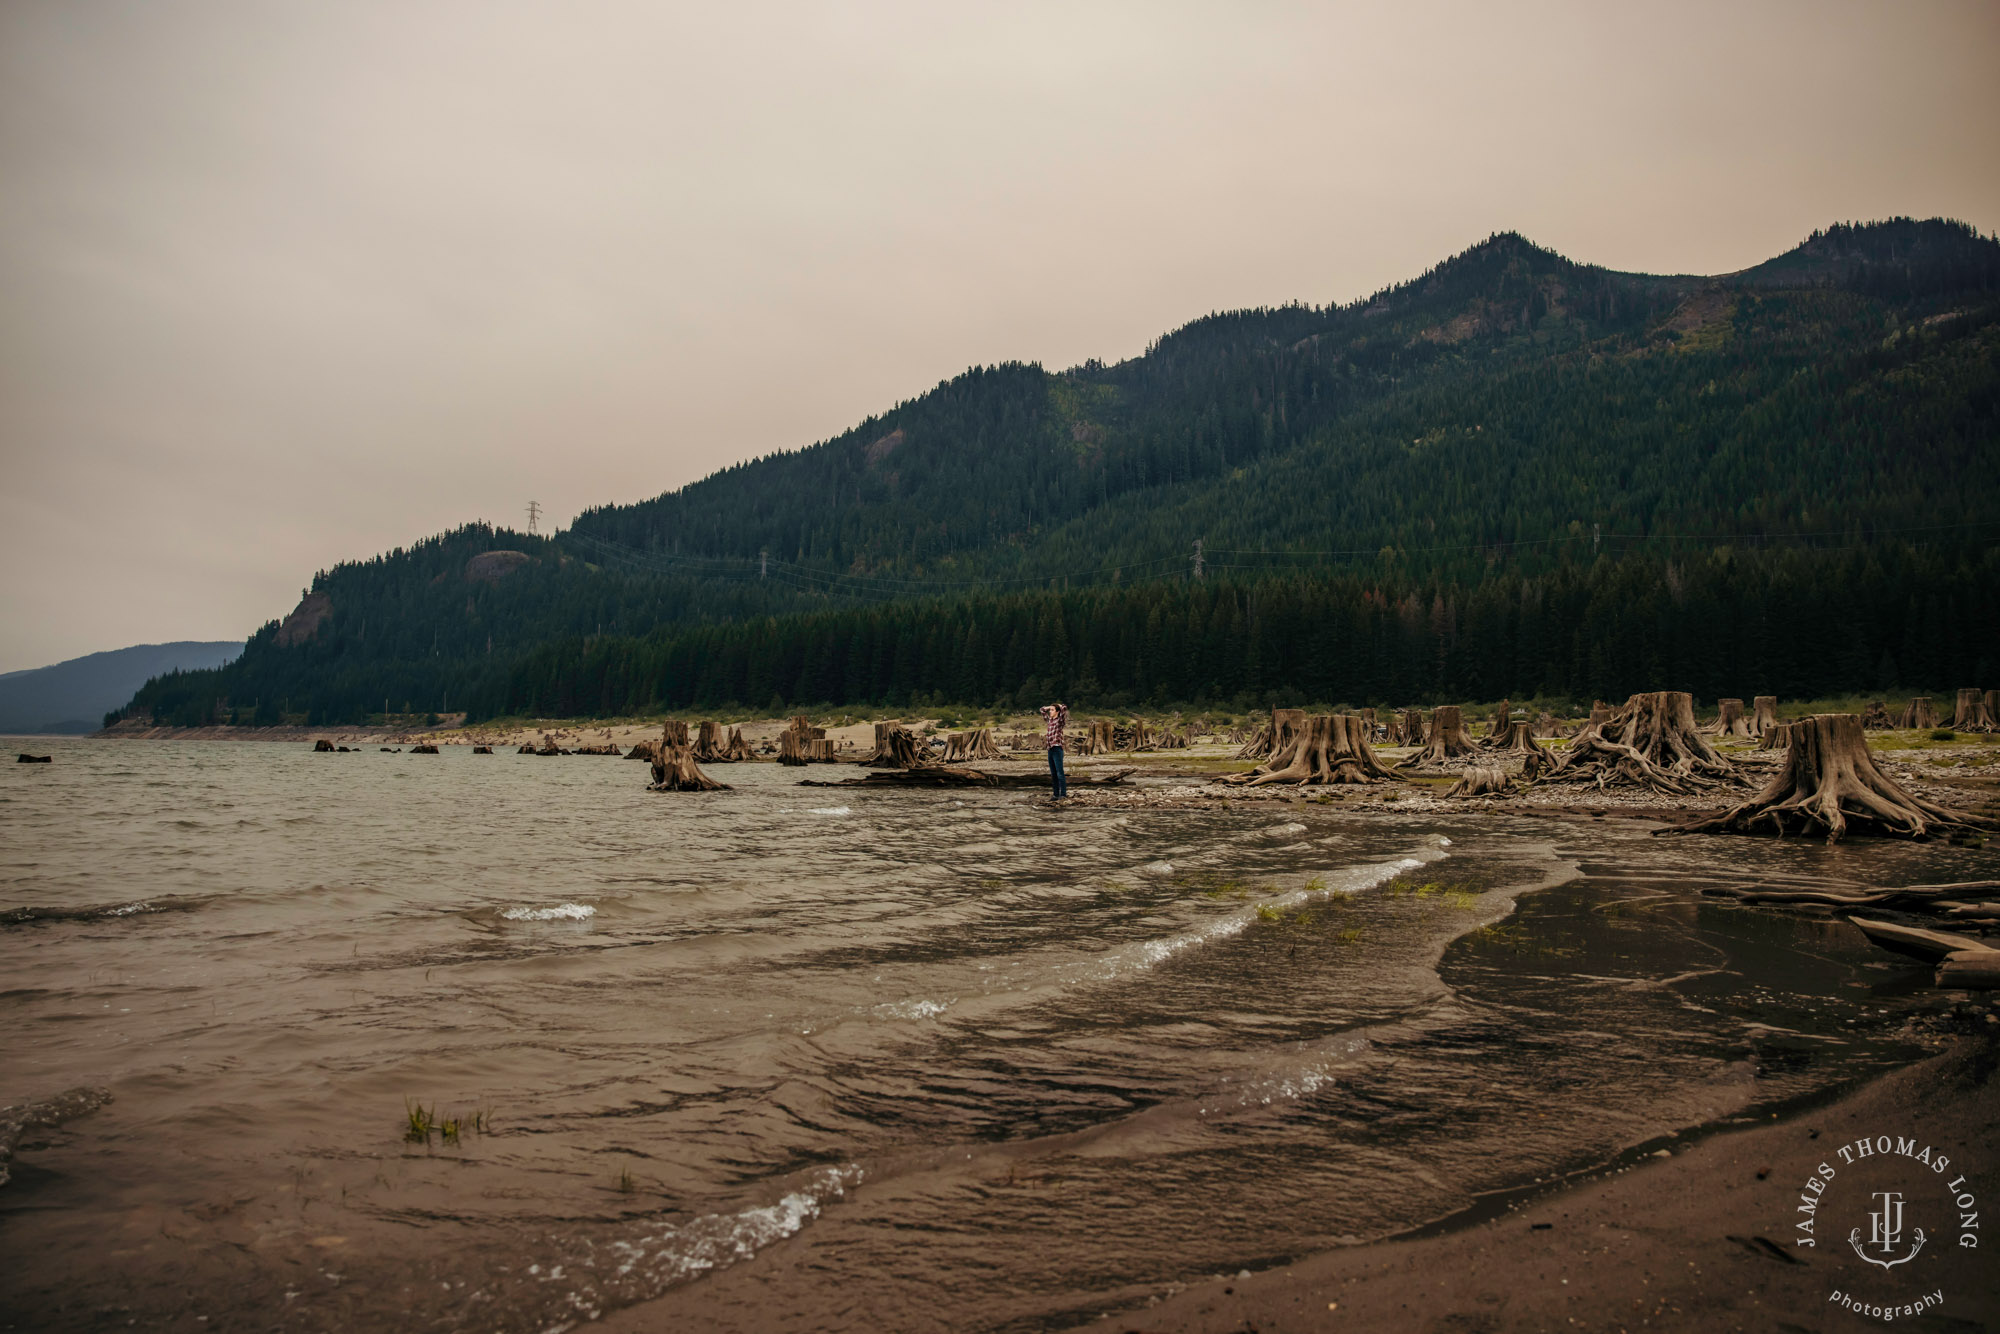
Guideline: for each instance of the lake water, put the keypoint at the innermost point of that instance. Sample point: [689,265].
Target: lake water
[802,1058]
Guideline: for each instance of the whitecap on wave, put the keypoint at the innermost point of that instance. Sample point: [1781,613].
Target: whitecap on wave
[572,912]
[715,1241]
[833,810]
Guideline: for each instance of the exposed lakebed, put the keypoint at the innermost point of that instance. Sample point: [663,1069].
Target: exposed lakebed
[921,1060]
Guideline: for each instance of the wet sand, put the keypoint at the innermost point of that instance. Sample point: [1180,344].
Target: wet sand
[1674,1243]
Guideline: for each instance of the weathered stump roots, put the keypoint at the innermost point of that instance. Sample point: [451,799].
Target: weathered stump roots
[1830,783]
[1329,748]
[1651,743]
[674,768]
[1447,738]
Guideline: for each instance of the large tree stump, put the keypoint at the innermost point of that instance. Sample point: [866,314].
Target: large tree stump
[1482,781]
[1972,714]
[674,768]
[1876,718]
[1447,738]
[1329,748]
[1729,720]
[1503,720]
[738,748]
[1777,737]
[1518,741]
[1919,713]
[708,744]
[896,748]
[1652,742]
[1409,730]
[1275,736]
[1830,783]
[1545,726]
[1140,737]
[974,745]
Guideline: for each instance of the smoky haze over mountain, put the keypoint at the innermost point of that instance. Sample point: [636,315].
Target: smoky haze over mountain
[279,287]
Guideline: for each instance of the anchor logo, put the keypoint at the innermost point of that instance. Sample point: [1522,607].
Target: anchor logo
[1885,1231]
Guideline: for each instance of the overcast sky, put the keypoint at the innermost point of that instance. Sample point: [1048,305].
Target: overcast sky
[284,283]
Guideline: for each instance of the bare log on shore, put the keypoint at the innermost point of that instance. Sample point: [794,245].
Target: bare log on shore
[1970,970]
[940,775]
[1652,743]
[1916,942]
[1329,748]
[1908,898]
[1483,781]
[1830,782]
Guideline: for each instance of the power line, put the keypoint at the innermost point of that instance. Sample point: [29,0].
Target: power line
[534,516]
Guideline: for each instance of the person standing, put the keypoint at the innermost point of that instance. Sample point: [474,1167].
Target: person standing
[1055,717]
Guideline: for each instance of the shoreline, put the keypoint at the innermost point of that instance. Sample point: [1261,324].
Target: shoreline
[1700,1238]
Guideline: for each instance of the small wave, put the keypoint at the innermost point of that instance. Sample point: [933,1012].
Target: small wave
[1149,953]
[572,912]
[1284,830]
[1157,868]
[95,913]
[833,810]
[912,1009]
[715,1241]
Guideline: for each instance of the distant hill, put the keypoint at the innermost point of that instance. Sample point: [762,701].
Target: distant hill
[1514,473]
[74,696]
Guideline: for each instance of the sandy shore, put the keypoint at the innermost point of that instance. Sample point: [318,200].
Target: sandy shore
[1675,1242]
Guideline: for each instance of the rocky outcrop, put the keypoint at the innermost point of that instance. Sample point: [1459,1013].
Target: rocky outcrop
[313,611]
[490,567]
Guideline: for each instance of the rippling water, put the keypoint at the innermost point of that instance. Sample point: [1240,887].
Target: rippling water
[799,1058]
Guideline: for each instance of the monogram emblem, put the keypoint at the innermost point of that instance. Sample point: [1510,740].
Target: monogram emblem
[1885,1232]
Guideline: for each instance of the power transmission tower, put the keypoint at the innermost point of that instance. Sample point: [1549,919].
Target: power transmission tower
[534,516]
[1197,558]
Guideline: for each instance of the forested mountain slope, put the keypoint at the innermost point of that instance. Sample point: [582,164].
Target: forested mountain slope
[1509,422]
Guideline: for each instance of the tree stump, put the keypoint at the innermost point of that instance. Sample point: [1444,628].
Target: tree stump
[896,748]
[1545,726]
[974,745]
[1766,717]
[1328,748]
[1777,737]
[1447,738]
[708,746]
[1972,714]
[1410,731]
[1652,742]
[1483,781]
[1877,717]
[1503,721]
[1729,720]
[1830,782]
[738,748]
[1518,741]
[1140,737]
[1276,734]
[674,769]
[322,745]
[1919,713]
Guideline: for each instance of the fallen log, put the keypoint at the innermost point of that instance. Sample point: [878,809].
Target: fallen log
[1916,942]
[939,775]
[1970,970]
[1911,898]
[1830,781]
[1480,781]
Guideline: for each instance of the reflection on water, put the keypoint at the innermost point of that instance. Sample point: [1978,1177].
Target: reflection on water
[916,1060]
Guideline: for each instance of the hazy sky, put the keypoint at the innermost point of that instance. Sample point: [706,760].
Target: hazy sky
[284,283]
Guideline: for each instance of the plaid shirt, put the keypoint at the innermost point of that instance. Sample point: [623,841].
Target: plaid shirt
[1056,718]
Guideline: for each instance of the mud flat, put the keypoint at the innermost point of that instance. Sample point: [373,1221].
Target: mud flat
[1700,1238]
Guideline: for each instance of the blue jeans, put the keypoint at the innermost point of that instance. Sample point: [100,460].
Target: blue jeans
[1056,772]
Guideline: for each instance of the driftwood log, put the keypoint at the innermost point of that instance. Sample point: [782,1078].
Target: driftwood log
[1483,781]
[1729,720]
[1448,741]
[1829,782]
[1973,713]
[1652,743]
[1329,748]
[1919,713]
[1970,970]
[940,775]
